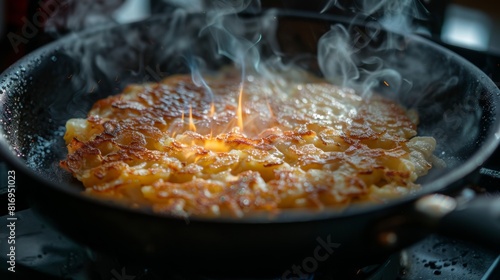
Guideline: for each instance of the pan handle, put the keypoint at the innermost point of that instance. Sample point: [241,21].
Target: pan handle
[477,220]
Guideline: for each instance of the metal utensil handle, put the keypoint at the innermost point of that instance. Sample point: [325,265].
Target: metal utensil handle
[477,221]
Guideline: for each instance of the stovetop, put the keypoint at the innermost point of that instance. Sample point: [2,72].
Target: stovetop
[43,253]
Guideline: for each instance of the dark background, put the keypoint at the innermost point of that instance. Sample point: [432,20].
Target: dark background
[14,15]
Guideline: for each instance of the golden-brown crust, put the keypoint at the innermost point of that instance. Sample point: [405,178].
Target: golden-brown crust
[314,145]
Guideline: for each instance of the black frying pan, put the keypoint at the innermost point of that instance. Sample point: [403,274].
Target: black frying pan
[457,103]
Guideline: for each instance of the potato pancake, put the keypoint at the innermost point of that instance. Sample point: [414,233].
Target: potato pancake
[184,149]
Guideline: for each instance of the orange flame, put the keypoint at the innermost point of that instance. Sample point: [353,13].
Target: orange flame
[271,113]
[212,113]
[191,123]
[239,111]
[212,109]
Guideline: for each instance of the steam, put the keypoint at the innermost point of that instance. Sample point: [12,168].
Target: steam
[394,15]
[353,55]
[336,57]
[73,15]
[342,51]
[232,43]
[196,66]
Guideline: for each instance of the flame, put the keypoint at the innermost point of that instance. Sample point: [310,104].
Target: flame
[239,111]
[271,113]
[192,127]
[212,109]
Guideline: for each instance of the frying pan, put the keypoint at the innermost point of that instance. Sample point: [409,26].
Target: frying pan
[457,104]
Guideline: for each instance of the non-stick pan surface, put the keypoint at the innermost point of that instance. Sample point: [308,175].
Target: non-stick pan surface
[457,104]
